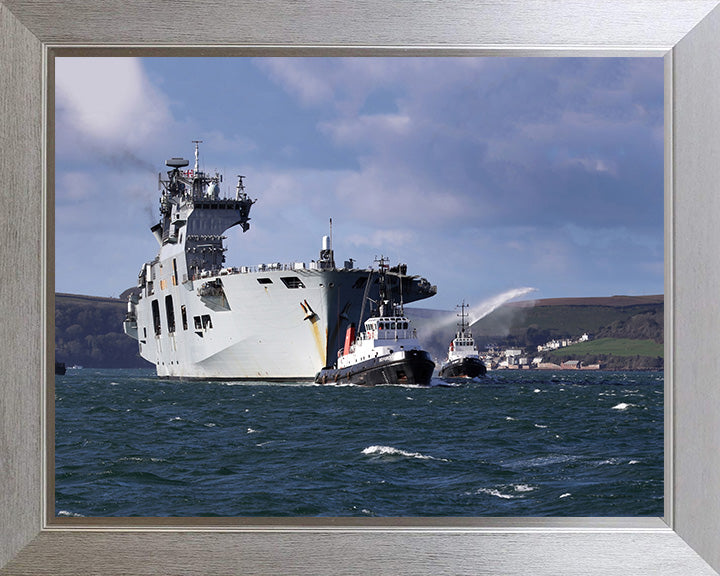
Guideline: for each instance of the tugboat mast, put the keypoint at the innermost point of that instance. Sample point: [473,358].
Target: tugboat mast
[382,292]
[462,317]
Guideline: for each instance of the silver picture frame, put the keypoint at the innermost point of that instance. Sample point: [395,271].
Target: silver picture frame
[686,33]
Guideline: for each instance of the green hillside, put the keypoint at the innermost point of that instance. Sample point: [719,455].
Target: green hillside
[89,332]
[527,324]
[613,354]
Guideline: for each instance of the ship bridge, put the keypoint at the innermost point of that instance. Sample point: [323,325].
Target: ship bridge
[195,216]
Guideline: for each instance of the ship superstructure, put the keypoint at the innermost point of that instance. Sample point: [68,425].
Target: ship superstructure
[195,317]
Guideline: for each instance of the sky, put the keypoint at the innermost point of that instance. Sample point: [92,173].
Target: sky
[485,175]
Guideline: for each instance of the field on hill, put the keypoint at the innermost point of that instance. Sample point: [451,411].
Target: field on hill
[613,346]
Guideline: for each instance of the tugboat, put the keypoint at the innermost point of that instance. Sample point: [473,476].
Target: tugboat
[463,358]
[386,352]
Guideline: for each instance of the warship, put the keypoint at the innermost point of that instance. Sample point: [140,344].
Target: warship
[463,360]
[196,318]
[386,352]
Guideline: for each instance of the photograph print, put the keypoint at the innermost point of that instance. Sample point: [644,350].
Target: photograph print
[363,286]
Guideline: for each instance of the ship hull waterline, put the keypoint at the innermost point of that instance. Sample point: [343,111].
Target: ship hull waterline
[405,367]
[463,368]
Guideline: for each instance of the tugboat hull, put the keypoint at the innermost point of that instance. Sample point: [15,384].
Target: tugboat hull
[463,368]
[404,367]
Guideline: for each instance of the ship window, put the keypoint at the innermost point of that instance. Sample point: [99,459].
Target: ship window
[206,321]
[198,322]
[264,281]
[292,282]
[183,313]
[170,313]
[156,317]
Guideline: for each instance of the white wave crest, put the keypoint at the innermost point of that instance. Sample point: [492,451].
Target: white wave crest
[494,492]
[390,451]
[622,406]
[72,514]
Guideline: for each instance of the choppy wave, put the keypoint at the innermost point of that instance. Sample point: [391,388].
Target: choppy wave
[390,451]
[70,514]
[496,493]
[140,459]
[386,451]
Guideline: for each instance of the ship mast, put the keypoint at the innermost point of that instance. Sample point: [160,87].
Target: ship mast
[197,155]
[462,317]
[382,293]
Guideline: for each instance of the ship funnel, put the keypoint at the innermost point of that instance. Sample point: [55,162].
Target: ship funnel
[349,339]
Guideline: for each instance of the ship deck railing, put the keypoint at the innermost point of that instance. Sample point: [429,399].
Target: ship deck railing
[272,267]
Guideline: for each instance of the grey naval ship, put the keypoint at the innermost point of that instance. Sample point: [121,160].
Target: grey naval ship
[196,318]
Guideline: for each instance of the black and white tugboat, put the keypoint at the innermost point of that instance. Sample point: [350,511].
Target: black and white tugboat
[386,352]
[463,359]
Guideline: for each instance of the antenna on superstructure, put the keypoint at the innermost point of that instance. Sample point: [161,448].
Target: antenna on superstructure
[240,189]
[197,155]
[327,257]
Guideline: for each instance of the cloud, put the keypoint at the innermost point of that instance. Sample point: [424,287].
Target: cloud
[109,100]
[533,141]
[386,239]
[480,173]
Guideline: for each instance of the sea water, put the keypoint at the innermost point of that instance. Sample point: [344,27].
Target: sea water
[514,443]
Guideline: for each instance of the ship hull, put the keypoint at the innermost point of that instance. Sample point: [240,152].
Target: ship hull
[463,368]
[273,325]
[405,367]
